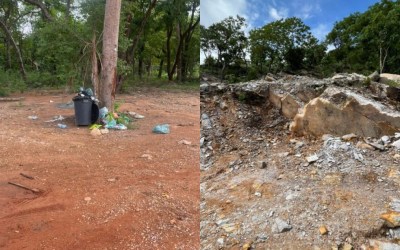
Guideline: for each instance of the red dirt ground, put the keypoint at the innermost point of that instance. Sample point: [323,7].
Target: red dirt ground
[135,202]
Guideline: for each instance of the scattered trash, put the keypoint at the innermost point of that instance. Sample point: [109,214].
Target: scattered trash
[60,125]
[115,125]
[104,131]
[68,105]
[161,129]
[95,126]
[87,199]
[51,101]
[33,117]
[136,115]
[148,156]
[185,142]
[86,109]
[95,132]
[56,118]
[103,112]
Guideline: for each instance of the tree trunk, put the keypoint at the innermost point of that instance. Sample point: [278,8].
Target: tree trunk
[169,35]
[42,7]
[68,9]
[11,39]
[160,69]
[110,54]
[382,58]
[8,52]
[131,49]
[140,68]
[95,68]
[148,68]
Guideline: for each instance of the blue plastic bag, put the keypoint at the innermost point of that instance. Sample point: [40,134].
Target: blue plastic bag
[161,129]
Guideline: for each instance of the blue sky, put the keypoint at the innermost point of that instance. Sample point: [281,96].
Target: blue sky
[319,15]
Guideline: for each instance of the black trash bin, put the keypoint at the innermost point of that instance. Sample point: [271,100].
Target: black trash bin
[83,110]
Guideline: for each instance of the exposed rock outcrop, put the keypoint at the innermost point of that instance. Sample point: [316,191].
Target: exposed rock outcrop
[385,78]
[339,112]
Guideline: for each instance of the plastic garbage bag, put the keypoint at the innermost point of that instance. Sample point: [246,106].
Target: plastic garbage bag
[103,112]
[161,129]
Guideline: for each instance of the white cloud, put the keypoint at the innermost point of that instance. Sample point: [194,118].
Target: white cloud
[277,14]
[320,31]
[306,9]
[213,11]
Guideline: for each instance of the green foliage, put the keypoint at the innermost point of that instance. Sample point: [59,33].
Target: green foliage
[367,82]
[284,44]
[11,81]
[227,38]
[58,52]
[392,83]
[367,41]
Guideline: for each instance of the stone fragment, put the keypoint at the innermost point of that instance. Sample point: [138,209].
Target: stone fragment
[230,227]
[363,145]
[185,142]
[391,218]
[312,158]
[323,230]
[347,246]
[381,245]
[396,144]
[349,137]
[280,226]
[247,246]
[374,76]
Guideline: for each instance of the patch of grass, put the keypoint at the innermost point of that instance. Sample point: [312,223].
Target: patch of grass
[392,83]
[367,82]
[190,85]
[242,97]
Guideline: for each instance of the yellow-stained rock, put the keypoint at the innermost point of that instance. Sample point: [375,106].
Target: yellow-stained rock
[323,230]
[347,246]
[247,246]
[391,218]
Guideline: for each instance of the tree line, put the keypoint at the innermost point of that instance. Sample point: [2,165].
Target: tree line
[58,42]
[362,43]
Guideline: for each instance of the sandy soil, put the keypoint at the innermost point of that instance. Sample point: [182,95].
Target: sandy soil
[123,190]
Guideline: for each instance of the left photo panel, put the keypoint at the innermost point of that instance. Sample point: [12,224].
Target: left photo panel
[99,124]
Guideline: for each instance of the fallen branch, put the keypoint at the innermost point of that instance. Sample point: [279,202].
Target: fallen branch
[10,99]
[26,176]
[34,190]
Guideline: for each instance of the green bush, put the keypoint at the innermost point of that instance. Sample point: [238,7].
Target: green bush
[10,82]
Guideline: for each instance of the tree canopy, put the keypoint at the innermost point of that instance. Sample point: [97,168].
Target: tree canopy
[361,42]
[51,43]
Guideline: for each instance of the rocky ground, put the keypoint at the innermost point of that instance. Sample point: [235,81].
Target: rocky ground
[263,187]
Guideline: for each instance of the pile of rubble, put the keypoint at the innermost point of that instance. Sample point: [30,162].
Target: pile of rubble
[293,162]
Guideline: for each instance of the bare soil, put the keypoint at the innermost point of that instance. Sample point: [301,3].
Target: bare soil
[128,189]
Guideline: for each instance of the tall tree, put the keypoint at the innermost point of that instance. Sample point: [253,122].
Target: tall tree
[110,53]
[282,44]
[228,40]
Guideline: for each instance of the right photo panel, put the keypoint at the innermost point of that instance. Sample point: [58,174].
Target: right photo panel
[300,124]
